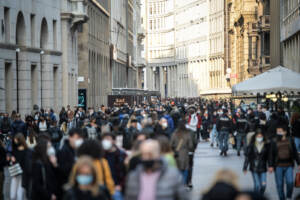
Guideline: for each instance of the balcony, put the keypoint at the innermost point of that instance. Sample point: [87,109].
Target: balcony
[76,12]
[264,23]
[252,29]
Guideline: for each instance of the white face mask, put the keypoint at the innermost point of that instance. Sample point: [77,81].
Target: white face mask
[106,144]
[51,151]
[164,125]
[78,143]
[280,133]
[259,139]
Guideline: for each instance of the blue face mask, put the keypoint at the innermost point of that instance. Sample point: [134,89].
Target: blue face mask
[84,179]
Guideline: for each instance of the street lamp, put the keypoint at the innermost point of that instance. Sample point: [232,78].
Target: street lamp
[41,75]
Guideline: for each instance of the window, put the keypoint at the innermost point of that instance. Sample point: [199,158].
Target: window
[34,85]
[55,84]
[54,35]
[6,24]
[32,27]
[8,87]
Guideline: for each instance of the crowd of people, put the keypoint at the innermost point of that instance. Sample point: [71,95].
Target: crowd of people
[143,152]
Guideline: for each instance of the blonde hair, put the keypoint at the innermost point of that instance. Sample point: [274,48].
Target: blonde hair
[84,161]
[225,176]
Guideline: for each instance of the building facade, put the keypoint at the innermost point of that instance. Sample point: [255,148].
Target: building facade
[30,55]
[185,48]
[217,72]
[290,33]
[122,39]
[95,75]
[73,15]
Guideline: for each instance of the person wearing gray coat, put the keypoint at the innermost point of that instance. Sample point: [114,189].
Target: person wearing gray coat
[154,179]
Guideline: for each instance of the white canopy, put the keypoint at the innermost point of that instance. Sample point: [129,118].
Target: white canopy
[279,79]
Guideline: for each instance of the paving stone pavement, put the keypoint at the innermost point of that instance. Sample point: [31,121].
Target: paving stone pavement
[207,162]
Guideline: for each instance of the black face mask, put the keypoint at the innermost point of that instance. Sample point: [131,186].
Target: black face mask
[149,164]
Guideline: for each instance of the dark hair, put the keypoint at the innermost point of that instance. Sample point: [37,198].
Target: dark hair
[282,126]
[77,131]
[113,136]
[164,143]
[91,148]
[21,140]
[257,132]
[40,151]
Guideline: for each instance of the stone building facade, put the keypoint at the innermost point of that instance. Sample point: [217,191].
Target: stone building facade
[122,39]
[290,33]
[94,54]
[73,15]
[30,55]
[175,43]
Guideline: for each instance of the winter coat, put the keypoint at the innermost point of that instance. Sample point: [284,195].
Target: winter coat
[258,161]
[55,133]
[104,174]
[19,127]
[5,126]
[292,148]
[44,181]
[169,185]
[182,146]
[128,137]
[296,128]
[65,160]
[222,191]
[224,123]
[77,194]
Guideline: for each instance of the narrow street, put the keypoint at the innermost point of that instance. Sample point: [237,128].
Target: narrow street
[207,162]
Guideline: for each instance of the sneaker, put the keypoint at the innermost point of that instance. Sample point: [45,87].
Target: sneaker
[238,153]
[212,145]
[225,153]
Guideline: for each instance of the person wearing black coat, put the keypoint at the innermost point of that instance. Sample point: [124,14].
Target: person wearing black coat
[283,157]
[257,158]
[295,124]
[224,127]
[44,178]
[55,134]
[18,126]
[241,128]
[66,155]
[2,165]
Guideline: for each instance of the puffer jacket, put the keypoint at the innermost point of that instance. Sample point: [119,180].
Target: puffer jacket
[169,185]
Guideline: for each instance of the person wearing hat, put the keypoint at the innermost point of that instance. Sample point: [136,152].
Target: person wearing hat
[224,127]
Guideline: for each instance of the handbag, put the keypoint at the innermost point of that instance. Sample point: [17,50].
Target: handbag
[15,170]
[297,180]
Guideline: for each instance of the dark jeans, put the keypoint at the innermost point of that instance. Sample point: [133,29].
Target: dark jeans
[284,174]
[1,185]
[260,182]
[223,140]
[190,170]
[241,140]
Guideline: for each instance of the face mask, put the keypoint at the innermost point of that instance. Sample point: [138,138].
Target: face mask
[84,179]
[259,139]
[220,113]
[165,125]
[78,143]
[280,133]
[148,164]
[106,144]
[51,151]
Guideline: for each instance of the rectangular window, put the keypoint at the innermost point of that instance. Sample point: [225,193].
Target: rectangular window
[55,85]
[34,85]
[32,29]
[54,34]
[8,87]
[6,24]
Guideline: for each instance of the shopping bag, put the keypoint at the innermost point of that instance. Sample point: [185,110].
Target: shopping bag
[297,180]
[15,170]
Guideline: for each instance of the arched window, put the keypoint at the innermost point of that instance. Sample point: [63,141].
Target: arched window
[44,34]
[20,30]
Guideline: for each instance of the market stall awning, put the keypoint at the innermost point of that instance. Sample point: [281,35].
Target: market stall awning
[279,79]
